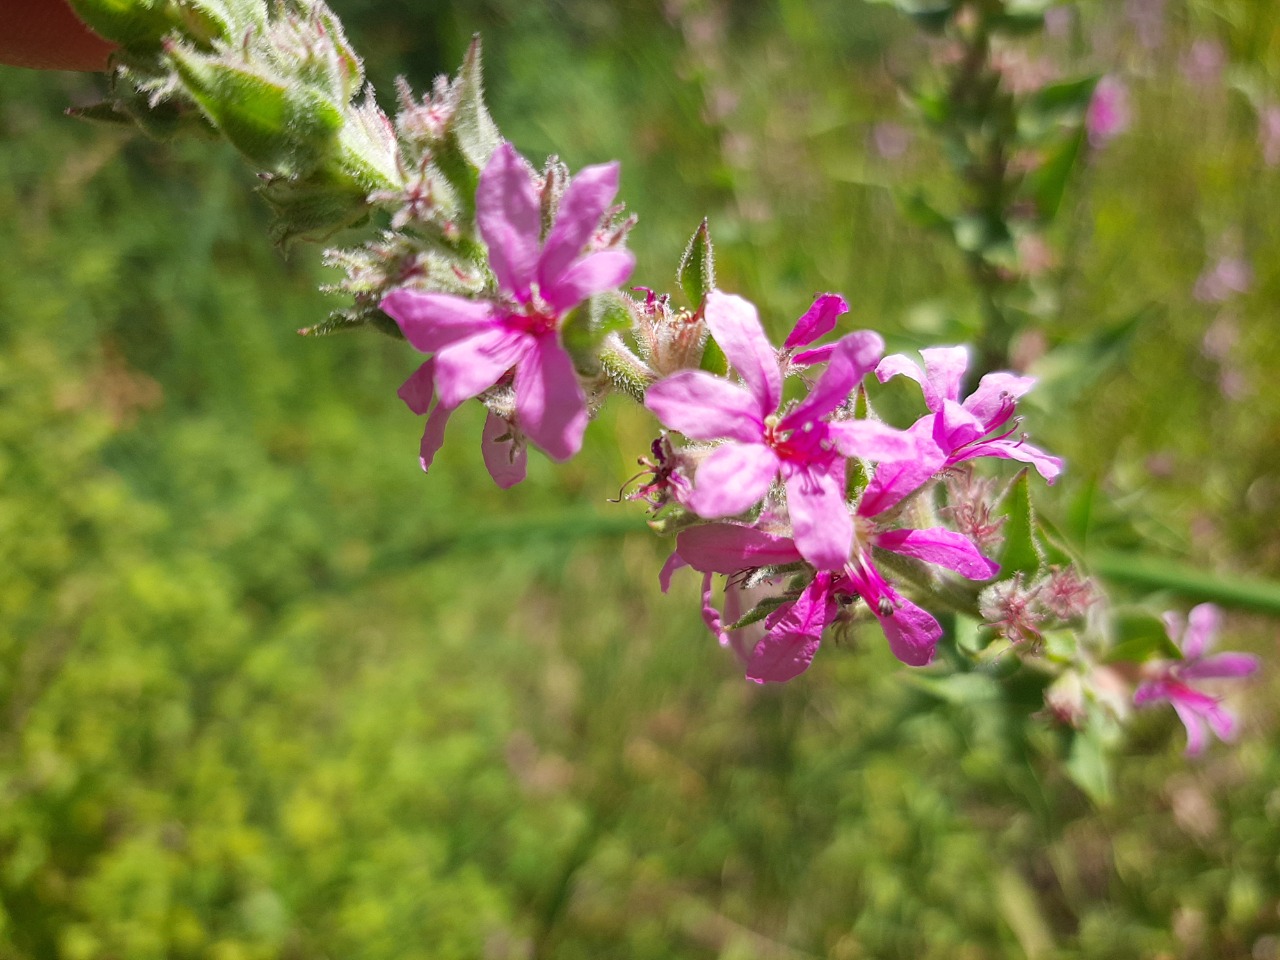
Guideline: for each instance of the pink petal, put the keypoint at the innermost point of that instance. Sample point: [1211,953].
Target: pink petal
[913,634]
[944,369]
[430,321]
[895,480]
[504,452]
[733,478]
[674,563]
[735,325]
[581,208]
[550,405]
[853,358]
[955,427]
[807,358]
[1220,665]
[872,440]
[795,632]
[818,320]
[1196,737]
[1203,623]
[711,616]
[727,548]
[944,547]
[594,273]
[469,367]
[899,365]
[509,215]
[1047,466]
[433,435]
[820,520]
[705,407]
[994,395]
[418,391]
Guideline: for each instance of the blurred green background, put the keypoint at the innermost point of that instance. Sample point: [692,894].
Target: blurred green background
[266,691]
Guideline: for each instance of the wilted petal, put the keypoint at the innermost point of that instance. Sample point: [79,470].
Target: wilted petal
[674,563]
[820,520]
[1220,665]
[734,477]
[711,616]
[469,367]
[727,548]
[1203,623]
[735,326]
[550,406]
[818,320]
[873,440]
[913,634]
[705,407]
[418,391]
[853,358]
[581,208]
[430,321]
[946,548]
[504,451]
[509,215]
[594,273]
[794,634]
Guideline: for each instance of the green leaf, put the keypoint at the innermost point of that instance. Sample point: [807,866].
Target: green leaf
[471,127]
[1191,582]
[585,328]
[713,359]
[1020,552]
[134,24]
[920,212]
[697,271]
[1089,765]
[959,689]
[1064,102]
[1139,636]
[759,612]
[1047,184]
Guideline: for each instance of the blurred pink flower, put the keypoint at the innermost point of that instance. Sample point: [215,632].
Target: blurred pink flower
[1226,277]
[1148,19]
[1109,113]
[1269,134]
[1203,64]
[1173,679]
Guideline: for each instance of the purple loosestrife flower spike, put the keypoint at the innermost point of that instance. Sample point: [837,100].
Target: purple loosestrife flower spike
[476,342]
[1172,681]
[762,443]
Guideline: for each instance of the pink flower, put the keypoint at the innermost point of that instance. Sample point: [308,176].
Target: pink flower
[1109,114]
[1172,681]
[477,342]
[762,442]
[794,630]
[982,425]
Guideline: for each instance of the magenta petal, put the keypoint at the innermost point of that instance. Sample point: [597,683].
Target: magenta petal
[818,320]
[733,478]
[735,325]
[581,208]
[727,548]
[820,520]
[1220,665]
[1203,623]
[944,547]
[1047,466]
[853,358]
[504,452]
[674,563]
[550,405]
[872,440]
[794,634]
[954,427]
[913,634]
[807,358]
[705,407]
[509,215]
[895,480]
[711,616]
[899,365]
[418,391]
[944,369]
[992,401]
[593,274]
[1196,736]
[469,367]
[430,321]
[433,435]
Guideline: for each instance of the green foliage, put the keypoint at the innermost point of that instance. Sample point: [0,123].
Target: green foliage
[268,692]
